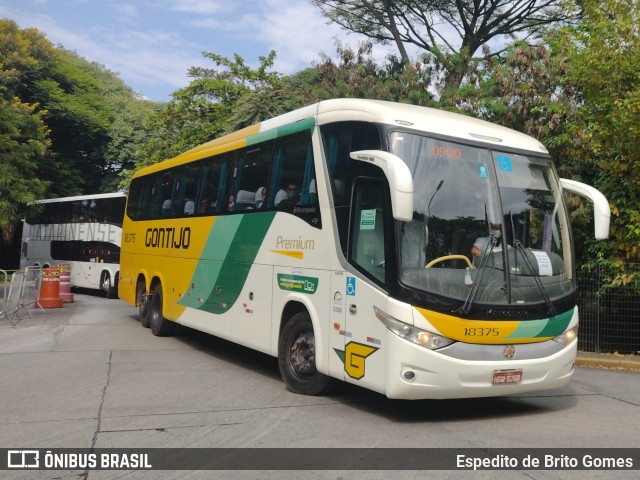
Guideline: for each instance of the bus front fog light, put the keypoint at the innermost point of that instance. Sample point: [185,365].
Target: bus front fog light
[409,375]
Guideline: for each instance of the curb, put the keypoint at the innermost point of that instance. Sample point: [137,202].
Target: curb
[608,361]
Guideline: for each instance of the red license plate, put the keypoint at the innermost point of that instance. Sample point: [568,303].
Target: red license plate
[505,377]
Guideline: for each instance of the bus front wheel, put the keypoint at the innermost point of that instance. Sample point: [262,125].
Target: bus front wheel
[297,357]
[105,285]
[160,326]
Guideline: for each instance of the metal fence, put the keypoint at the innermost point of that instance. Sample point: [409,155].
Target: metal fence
[609,306]
[20,292]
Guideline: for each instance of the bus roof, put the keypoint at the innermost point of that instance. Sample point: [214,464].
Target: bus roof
[428,120]
[83,197]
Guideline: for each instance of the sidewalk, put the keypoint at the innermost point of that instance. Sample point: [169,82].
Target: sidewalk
[611,361]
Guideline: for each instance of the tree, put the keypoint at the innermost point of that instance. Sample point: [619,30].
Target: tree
[603,54]
[358,75]
[450,31]
[23,142]
[204,109]
[24,137]
[579,94]
[127,112]
[66,125]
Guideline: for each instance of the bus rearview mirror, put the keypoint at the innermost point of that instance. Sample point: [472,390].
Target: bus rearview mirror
[399,178]
[601,209]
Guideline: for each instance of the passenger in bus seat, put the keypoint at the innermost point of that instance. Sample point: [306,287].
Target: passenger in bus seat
[205,206]
[245,200]
[189,207]
[288,195]
[261,195]
[166,207]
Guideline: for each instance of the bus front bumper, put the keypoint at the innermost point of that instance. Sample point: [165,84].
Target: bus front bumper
[414,372]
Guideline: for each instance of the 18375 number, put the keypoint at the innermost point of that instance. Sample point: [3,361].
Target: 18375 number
[481,332]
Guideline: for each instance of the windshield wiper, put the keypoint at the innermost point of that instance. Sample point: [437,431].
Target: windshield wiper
[551,309]
[484,259]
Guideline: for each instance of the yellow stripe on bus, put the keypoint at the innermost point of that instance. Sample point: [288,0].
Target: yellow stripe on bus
[290,253]
[476,331]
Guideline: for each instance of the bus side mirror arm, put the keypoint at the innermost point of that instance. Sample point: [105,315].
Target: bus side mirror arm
[601,209]
[399,178]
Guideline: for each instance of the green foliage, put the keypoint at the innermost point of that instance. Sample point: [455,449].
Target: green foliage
[67,126]
[580,95]
[209,107]
[449,33]
[23,141]
[604,63]
[23,134]
[357,75]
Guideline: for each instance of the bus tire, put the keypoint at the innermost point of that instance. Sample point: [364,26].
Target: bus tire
[105,285]
[160,326]
[296,357]
[142,301]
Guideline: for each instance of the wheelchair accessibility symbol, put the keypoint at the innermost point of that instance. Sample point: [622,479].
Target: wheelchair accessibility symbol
[351,286]
[504,163]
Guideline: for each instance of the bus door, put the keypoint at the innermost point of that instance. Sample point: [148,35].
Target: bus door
[368,253]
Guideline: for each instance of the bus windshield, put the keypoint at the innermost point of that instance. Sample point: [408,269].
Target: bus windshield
[488,226]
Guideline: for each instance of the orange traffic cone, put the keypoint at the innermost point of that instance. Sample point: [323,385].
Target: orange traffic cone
[50,289]
[65,282]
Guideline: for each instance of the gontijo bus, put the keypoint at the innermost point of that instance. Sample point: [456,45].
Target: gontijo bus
[414,252]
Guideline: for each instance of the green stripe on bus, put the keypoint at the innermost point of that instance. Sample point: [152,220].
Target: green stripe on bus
[529,329]
[557,325]
[232,246]
[306,124]
[548,327]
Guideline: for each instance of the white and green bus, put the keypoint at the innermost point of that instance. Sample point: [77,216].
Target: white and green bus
[411,251]
[83,231]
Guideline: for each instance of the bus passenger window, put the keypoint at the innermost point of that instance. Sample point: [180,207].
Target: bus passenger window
[252,172]
[214,184]
[293,176]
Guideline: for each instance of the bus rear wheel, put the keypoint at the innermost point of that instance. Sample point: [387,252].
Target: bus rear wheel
[142,301]
[160,326]
[297,357]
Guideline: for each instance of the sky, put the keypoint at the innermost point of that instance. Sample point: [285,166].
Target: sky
[151,44]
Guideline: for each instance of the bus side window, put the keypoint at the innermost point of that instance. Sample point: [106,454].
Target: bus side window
[339,140]
[212,191]
[293,175]
[367,243]
[252,173]
[186,189]
[162,197]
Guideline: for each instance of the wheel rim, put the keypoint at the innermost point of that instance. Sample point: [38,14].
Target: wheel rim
[106,284]
[141,301]
[303,355]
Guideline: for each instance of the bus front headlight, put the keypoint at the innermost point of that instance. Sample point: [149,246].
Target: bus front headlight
[568,337]
[425,339]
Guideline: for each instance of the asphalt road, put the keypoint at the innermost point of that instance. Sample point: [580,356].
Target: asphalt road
[89,376]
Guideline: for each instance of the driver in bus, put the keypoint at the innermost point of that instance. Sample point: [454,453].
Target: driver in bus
[480,246]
